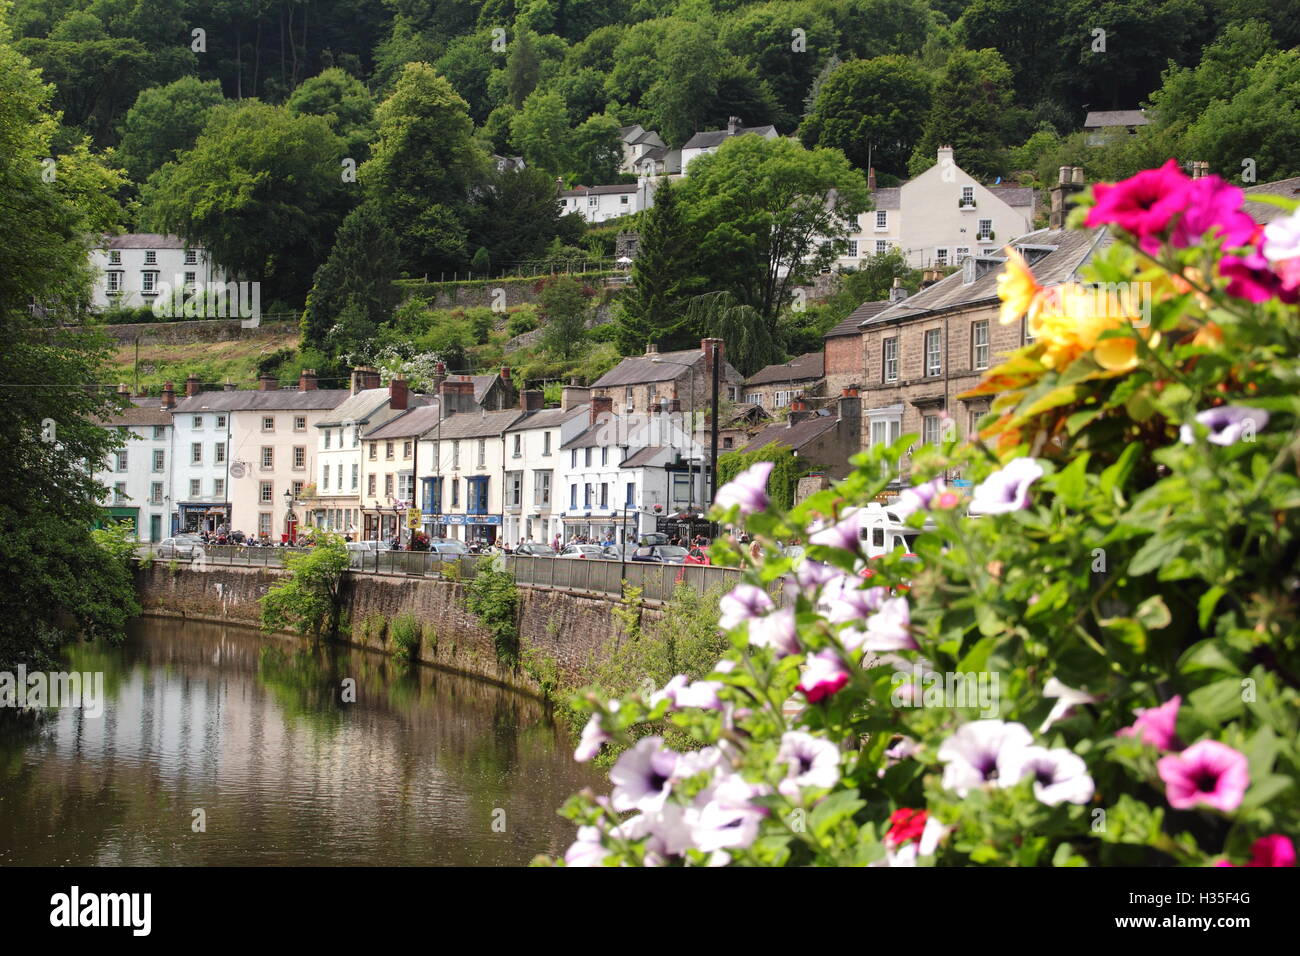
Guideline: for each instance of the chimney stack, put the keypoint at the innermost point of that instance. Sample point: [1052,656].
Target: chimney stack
[457,395]
[439,375]
[871,179]
[798,412]
[896,292]
[850,405]
[228,386]
[123,389]
[651,349]
[192,386]
[168,397]
[600,405]
[1070,180]
[573,395]
[733,125]
[307,380]
[399,396]
[530,399]
[267,383]
[708,353]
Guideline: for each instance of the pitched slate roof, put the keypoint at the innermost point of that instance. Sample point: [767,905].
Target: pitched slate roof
[1014,195]
[616,189]
[642,456]
[142,411]
[714,137]
[1104,119]
[800,369]
[1264,213]
[888,198]
[793,436]
[478,424]
[1072,249]
[851,323]
[280,399]
[548,417]
[357,408]
[641,370]
[146,240]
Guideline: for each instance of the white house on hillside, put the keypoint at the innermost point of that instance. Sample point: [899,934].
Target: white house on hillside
[637,141]
[131,268]
[940,217]
[708,141]
[601,203]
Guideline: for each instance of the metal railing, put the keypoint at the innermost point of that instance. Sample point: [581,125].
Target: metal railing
[656,581]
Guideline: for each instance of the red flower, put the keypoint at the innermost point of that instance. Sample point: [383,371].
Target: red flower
[905,825]
[1275,850]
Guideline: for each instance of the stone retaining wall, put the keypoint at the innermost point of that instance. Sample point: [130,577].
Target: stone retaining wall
[572,630]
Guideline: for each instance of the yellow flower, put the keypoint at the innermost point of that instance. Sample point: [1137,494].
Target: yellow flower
[1073,319]
[1017,289]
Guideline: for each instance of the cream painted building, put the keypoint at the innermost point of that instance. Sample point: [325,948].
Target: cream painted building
[941,217]
[272,450]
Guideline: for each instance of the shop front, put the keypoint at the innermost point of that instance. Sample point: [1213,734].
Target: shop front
[192,517]
[473,529]
[126,516]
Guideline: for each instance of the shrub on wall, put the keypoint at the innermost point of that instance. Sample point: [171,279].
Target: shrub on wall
[494,598]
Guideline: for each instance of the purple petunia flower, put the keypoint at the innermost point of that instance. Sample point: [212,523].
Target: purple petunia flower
[912,500]
[1228,424]
[748,490]
[777,631]
[889,629]
[1007,489]
[642,776]
[843,600]
[823,675]
[744,603]
[1207,773]
[1059,775]
[983,751]
[813,762]
[593,735]
[844,534]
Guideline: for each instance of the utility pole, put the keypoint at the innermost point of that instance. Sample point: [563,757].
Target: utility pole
[713,436]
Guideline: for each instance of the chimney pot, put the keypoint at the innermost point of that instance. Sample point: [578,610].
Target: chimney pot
[1076,176]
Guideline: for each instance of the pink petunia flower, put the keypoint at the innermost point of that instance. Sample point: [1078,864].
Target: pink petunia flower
[748,490]
[1155,725]
[1208,773]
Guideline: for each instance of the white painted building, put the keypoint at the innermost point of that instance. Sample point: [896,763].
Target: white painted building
[131,269]
[535,466]
[623,473]
[708,141]
[461,469]
[602,203]
[636,142]
[137,477]
[940,218]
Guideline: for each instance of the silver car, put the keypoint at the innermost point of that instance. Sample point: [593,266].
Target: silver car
[185,546]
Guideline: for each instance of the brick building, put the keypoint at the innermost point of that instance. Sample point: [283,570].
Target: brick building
[922,352]
[826,438]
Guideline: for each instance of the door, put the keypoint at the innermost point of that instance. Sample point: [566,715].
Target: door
[155,527]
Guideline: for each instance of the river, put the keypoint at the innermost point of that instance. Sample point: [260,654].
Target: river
[424,768]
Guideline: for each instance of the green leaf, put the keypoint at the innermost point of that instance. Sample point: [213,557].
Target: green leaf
[1158,549]
[1265,789]
[1218,702]
[1072,482]
[829,812]
[1153,613]
[1206,605]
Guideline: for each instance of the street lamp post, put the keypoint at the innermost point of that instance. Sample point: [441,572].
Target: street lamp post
[289,516]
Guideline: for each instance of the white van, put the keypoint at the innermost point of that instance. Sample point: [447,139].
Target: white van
[882,531]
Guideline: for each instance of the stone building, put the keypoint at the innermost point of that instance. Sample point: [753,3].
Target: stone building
[921,353]
[826,438]
[777,385]
[642,383]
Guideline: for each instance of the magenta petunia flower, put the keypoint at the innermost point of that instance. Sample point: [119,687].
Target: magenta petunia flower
[748,490]
[1143,204]
[1250,278]
[823,675]
[1155,725]
[1208,773]
[1274,850]
[1213,209]
[843,534]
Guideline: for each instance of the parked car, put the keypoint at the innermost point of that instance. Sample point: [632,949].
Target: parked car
[448,547]
[654,537]
[619,552]
[535,549]
[659,554]
[591,551]
[188,546]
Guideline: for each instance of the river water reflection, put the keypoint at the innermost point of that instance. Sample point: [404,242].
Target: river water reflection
[253,731]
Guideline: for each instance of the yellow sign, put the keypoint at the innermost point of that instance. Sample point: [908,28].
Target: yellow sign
[413,518]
